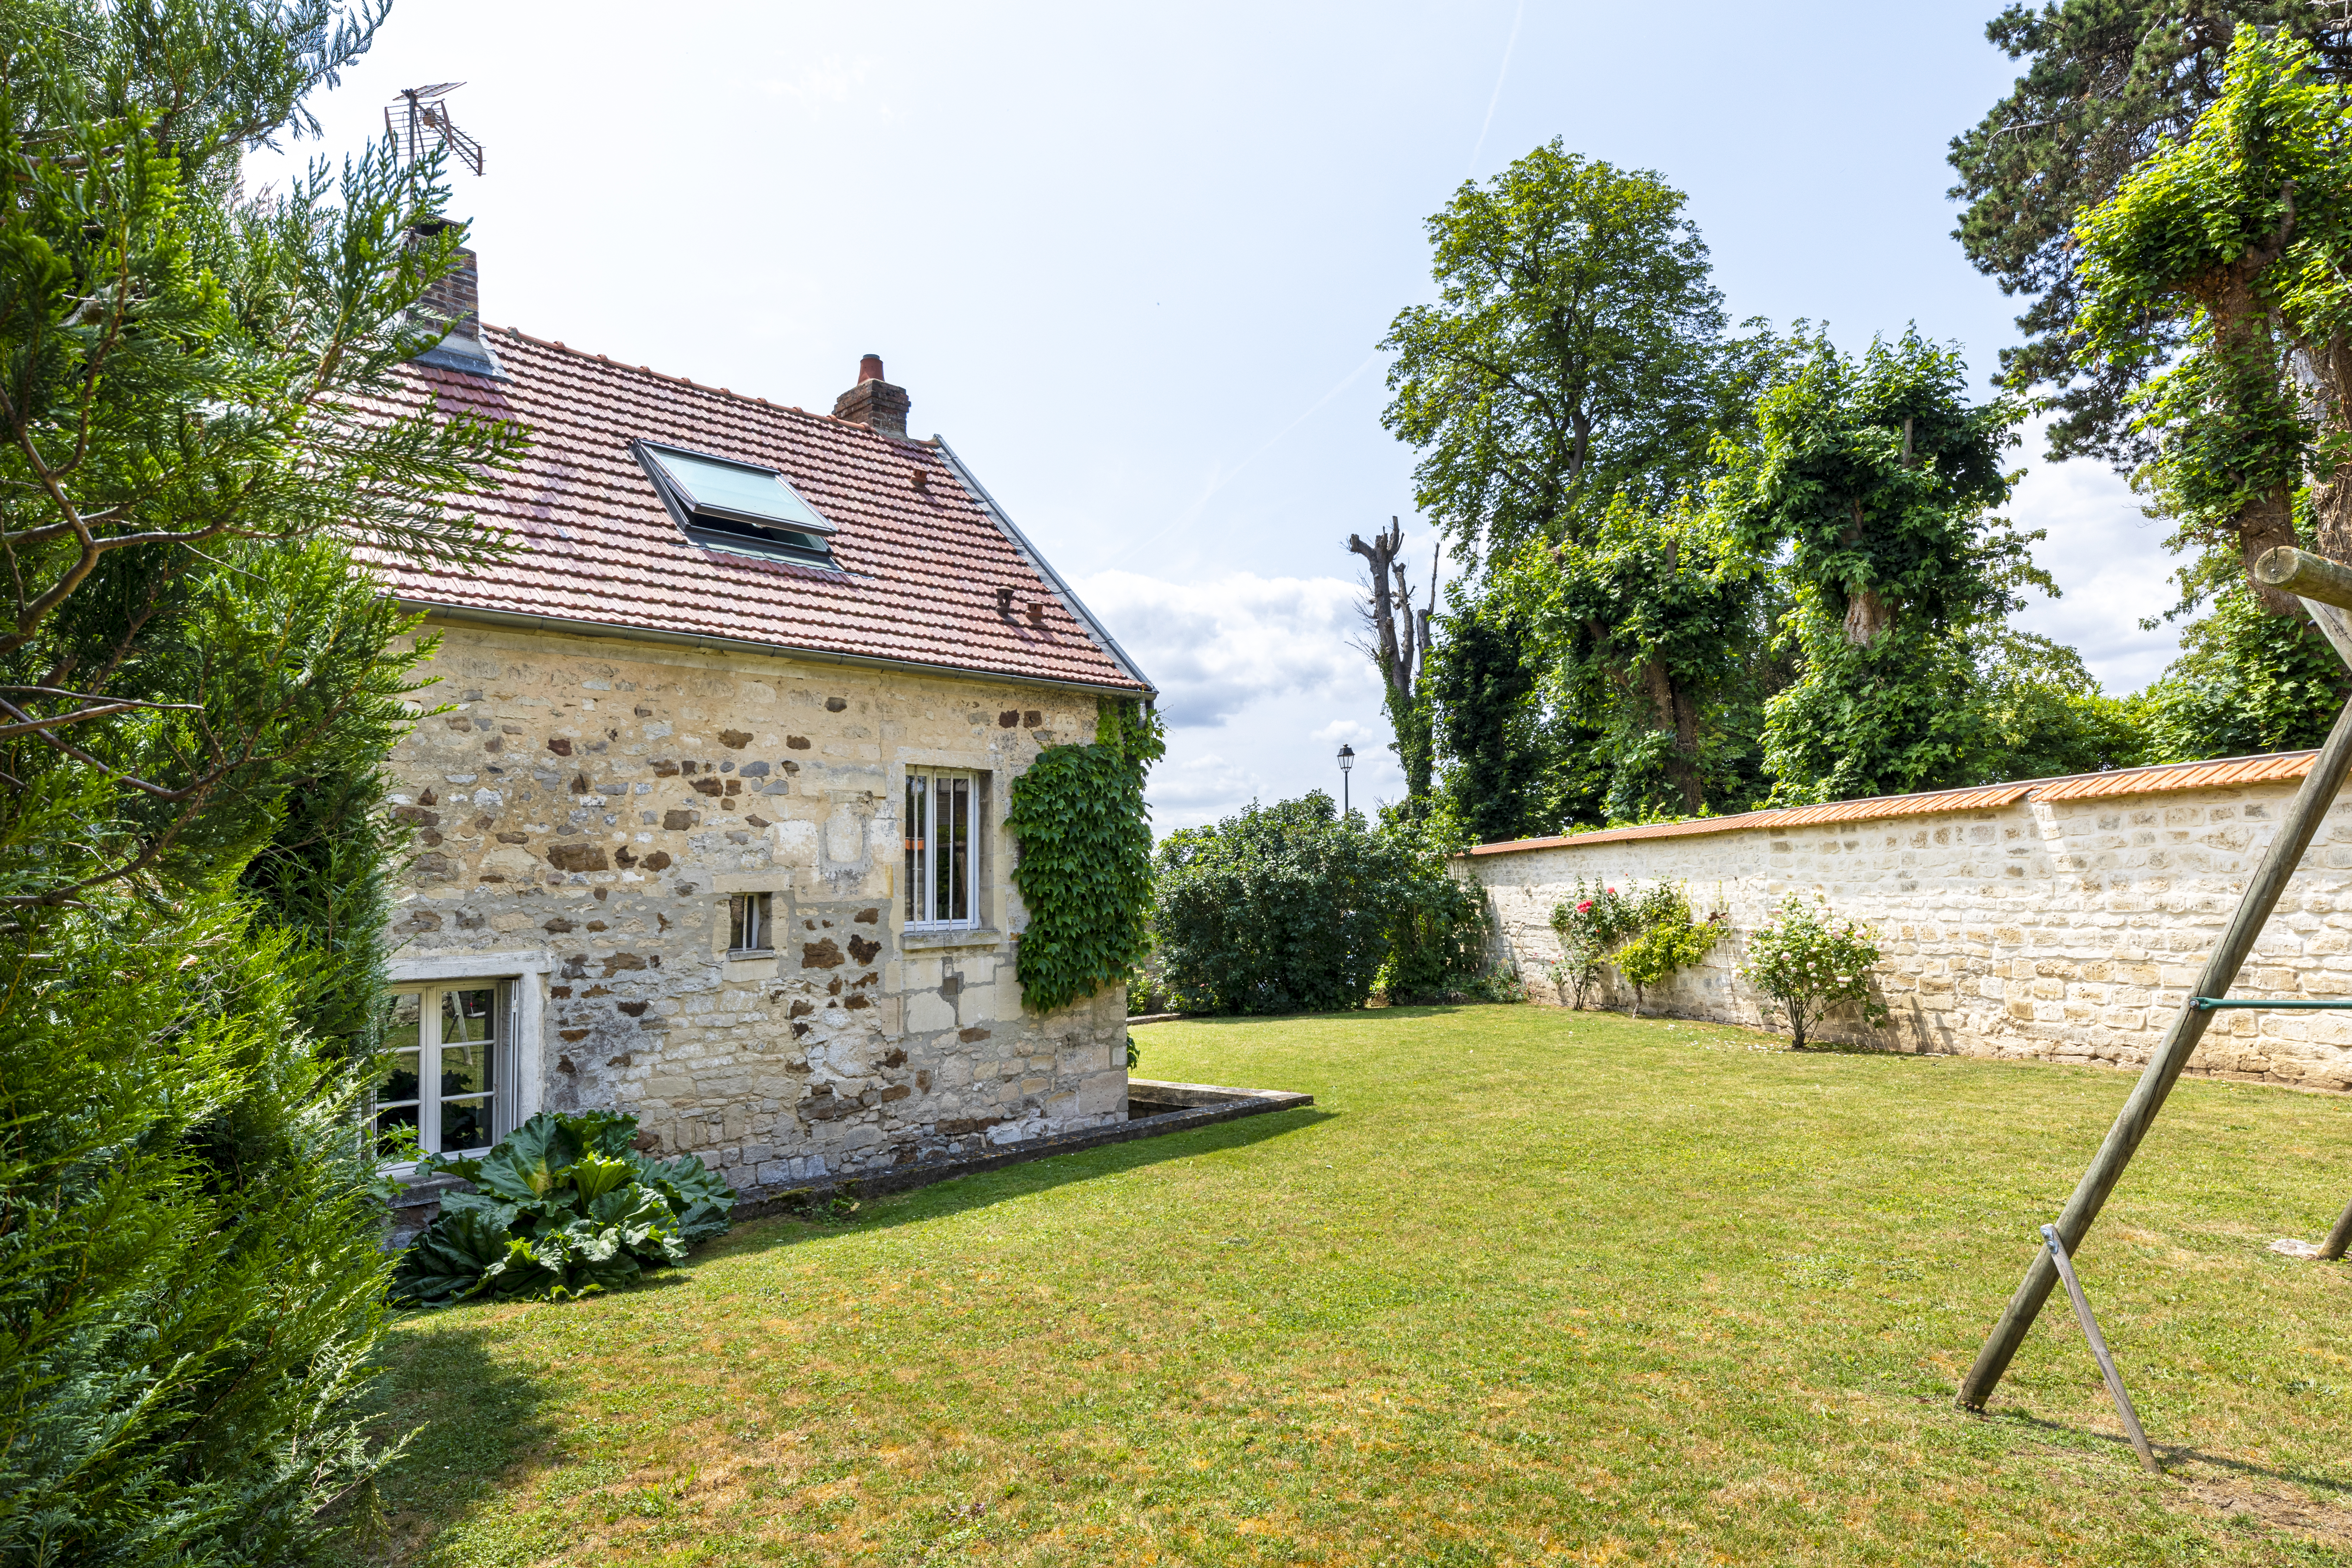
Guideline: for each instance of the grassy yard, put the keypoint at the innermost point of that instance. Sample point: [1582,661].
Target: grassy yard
[1524,1286]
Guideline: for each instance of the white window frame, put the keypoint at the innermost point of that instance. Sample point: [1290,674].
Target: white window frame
[924,844]
[751,923]
[504,1059]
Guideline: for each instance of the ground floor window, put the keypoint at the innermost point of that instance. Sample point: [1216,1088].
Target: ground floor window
[942,852]
[448,1067]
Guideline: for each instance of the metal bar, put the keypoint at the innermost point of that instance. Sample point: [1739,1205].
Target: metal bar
[2056,1251]
[2207,1004]
[2304,816]
[2305,575]
[2337,1239]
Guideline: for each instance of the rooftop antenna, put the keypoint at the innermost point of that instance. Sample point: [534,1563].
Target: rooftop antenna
[420,116]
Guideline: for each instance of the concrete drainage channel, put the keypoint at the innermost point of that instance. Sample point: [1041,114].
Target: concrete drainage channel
[1154,1107]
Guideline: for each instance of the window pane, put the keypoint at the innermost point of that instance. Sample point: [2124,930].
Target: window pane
[739,490]
[465,1124]
[955,882]
[917,798]
[407,1013]
[398,1084]
[389,1123]
[467,1014]
[466,1069]
[736,937]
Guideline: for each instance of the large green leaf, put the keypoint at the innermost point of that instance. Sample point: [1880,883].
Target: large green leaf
[596,1174]
[608,1132]
[702,1201]
[529,1163]
[452,1258]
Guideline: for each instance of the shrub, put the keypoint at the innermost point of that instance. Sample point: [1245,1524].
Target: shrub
[562,1207]
[1671,938]
[1808,961]
[1591,925]
[1278,909]
[1438,926]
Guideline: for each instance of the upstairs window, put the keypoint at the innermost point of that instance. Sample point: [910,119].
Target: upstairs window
[737,507]
[942,858]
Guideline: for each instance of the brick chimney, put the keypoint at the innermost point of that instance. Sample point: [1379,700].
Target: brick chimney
[453,303]
[873,401]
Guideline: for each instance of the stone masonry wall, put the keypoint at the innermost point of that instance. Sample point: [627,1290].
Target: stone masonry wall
[589,806]
[2070,931]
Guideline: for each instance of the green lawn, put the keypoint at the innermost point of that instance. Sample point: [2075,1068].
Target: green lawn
[1524,1286]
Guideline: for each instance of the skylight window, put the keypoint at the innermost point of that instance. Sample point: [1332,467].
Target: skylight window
[738,507]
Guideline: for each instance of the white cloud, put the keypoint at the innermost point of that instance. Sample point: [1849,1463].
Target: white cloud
[1214,648]
[1259,684]
[2109,561]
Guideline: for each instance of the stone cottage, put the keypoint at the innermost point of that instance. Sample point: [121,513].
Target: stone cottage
[708,807]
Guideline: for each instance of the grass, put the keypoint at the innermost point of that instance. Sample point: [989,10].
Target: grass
[1524,1286]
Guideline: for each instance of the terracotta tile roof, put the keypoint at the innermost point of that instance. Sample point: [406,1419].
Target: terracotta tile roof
[2274,767]
[920,564]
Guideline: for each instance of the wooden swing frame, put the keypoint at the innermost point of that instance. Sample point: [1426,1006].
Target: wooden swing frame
[2325,587]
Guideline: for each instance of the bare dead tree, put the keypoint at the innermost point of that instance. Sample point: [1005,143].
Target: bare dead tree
[1400,644]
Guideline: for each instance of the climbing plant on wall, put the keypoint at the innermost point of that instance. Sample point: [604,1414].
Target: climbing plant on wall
[1085,869]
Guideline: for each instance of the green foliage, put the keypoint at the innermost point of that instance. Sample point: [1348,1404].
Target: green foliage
[197,683]
[1499,776]
[1592,923]
[1873,475]
[1085,869]
[2236,236]
[1649,627]
[1277,909]
[562,1207]
[2244,682]
[1808,961]
[1646,936]
[2105,83]
[1439,924]
[1293,908]
[1576,351]
[1671,939]
[193,1277]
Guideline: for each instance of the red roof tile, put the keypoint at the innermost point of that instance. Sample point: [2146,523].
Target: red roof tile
[2275,767]
[920,565]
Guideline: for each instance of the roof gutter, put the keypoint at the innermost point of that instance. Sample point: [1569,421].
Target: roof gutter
[1045,567]
[740,646]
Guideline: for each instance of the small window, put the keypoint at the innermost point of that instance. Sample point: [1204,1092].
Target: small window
[738,507]
[942,859]
[447,1056]
[747,923]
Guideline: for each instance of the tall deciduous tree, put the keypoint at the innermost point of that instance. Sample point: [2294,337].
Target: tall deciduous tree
[1577,350]
[2106,84]
[1649,627]
[2205,239]
[1874,475]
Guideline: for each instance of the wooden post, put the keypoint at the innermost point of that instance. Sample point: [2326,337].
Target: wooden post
[2304,816]
[2337,1239]
[2123,1410]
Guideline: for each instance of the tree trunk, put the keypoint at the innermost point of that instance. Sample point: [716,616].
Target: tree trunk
[1677,715]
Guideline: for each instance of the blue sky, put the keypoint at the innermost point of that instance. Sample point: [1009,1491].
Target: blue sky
[1133,262]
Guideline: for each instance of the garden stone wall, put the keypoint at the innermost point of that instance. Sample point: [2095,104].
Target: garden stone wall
[586,808]
[2068,930]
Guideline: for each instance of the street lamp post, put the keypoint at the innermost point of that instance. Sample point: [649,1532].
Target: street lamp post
[1346,760]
